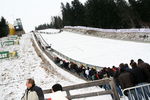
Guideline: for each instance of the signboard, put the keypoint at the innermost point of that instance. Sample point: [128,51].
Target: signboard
[8,43]
[7,54]
[14,37]
[4,55]
[13,54]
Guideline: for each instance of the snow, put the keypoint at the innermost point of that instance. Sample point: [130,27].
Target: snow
[77,81]
[110,30]
[98,51]
[14,72]
[49,30]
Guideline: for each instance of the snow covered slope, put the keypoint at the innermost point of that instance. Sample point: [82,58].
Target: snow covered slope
[98,51]
[49,30]
[14,73]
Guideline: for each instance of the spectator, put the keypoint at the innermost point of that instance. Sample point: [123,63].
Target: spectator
[92,73]
[144,65]
[87,72]
[140,79]
[126,80]
[57,60]
[57,93]
[32,92]
[118,87]
[131,62]
[114,68]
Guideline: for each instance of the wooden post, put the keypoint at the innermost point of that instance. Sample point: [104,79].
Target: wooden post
[68,94]
[114,91]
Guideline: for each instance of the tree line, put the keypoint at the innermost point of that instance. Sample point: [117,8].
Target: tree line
[56,22]
[111,14]
[4,29]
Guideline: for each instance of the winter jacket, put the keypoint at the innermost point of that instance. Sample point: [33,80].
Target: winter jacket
[34,93]
[144,65]
[146,69]
[126,80]
[87,72]
[139,75]
[57,96]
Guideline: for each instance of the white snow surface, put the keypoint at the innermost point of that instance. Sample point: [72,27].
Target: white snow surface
[14,72]
[49,30]
[98,51]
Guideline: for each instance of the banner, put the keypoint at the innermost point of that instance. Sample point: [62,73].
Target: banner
[4,55]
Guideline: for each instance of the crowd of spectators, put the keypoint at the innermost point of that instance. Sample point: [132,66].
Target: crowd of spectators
[125,75]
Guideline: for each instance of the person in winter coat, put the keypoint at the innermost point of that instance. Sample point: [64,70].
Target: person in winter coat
[32,92]
[57,93]
[87,72]
[139,74]
[144,65]
[126,80]
[141,78]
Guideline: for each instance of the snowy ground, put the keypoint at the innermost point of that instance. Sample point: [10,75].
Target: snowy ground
[98,51]
[110,30]
[49,30]
[14,73]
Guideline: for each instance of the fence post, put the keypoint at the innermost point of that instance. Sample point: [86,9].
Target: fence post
[68,94]
[113,88]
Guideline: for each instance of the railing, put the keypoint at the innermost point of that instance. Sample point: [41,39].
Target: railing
[141,92]
[109,81]
[10,40]
[45,44]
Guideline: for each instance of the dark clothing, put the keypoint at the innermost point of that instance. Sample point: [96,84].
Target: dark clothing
[34,93]
[144,65]
[139,75]
[126,80]
[146,69]
[92,72]
[116,77]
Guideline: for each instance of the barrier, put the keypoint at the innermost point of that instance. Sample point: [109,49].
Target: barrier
[10,40]
[141,92]
[109,81]
[4,54]
[9,43]
[13,37]
[7,54]
[13,54]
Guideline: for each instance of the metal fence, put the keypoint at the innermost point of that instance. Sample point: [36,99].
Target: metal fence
[140,92]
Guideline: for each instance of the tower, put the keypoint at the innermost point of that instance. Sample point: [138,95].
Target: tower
[18,25]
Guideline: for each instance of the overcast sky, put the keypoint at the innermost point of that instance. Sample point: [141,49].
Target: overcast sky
[31,12]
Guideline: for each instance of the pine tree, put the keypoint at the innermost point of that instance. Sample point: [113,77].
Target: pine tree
[142,10]
[4,29]
[124,12]
[78,13]
[102,13]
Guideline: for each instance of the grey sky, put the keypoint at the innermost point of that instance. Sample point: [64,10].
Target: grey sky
[32,12]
